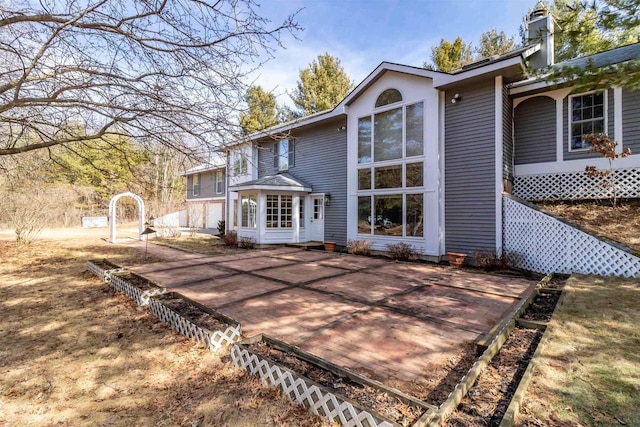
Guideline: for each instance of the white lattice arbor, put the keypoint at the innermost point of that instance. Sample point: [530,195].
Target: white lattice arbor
[576,186]
[112,215]
[539,242]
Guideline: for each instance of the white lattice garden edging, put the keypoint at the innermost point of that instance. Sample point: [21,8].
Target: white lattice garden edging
[213,340]
[97,268]
[539,242]
[119,282]
[576,186]
[305,392]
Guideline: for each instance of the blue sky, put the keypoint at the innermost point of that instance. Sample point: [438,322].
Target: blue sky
[363,33]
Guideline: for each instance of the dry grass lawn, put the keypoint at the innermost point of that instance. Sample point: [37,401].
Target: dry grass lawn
[589,372]
[74,352]
[621,224]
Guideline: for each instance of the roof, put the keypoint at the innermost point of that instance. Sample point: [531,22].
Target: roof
[497,58]
[598,60]
[281,182]
[603,59]
[218,161]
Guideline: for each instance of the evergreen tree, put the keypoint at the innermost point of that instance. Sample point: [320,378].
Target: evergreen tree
[263,111]
[450,56]
[321,86]
[493,42]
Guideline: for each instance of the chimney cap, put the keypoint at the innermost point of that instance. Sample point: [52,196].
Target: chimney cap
[539,11]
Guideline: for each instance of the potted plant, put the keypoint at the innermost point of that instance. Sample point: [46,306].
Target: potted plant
[329,246]
[456,259]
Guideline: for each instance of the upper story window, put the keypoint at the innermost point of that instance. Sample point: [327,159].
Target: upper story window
[219,181]
[586,115]
[387,97]
[240,164]
[391,134]
[195,189]
[284,154]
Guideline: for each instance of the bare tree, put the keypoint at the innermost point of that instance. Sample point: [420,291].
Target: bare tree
[167,72]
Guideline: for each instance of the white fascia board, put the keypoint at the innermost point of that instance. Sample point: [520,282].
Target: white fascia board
[447,79]
[381,69]
[269,188]
[219,198]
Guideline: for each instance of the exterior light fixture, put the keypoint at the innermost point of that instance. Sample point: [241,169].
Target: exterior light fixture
[327,199]
[456,98]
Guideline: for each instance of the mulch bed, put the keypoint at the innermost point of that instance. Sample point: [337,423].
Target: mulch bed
[541,309]
[104,264]
[140,282]
[378,400]
[489,398]
[194,314]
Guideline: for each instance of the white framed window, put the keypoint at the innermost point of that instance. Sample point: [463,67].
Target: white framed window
[249,207]
[240,164]
[587,114]
[219,181]
[391,169]
[279,211]
[284,154]
[195,185]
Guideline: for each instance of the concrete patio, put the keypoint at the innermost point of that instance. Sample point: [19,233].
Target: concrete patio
[399,323]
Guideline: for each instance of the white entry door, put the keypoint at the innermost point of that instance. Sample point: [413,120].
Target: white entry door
[317,218]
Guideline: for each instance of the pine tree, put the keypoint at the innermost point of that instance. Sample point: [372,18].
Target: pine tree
[263,111]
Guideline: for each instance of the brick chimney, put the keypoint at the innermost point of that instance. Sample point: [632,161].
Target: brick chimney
[539,28]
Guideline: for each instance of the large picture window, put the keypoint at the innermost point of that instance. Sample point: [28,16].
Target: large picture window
[391,134]
[249,205]
[279,211]
[587,116]
[399,215]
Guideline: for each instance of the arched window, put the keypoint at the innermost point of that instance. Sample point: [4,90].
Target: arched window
[389,96]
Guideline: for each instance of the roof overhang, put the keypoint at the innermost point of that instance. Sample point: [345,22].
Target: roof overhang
[379,72]
[513,65]
[263,187]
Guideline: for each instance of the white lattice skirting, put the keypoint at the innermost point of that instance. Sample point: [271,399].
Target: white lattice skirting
[538,242]
[305,393]
[576,186]
[213,340]
[141,297]
[102,273]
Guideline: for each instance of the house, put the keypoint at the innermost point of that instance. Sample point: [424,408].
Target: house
[425,158]
[206,193]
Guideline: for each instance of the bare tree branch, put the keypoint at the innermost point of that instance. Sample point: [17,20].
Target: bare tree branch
[164,72]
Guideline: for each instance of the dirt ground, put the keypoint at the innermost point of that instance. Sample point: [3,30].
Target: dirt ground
[74,352]
[620,224]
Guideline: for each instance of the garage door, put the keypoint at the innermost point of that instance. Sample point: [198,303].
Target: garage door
[214,214]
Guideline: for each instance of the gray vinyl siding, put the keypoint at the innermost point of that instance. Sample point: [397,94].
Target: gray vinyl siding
[535,130]
[320,161]
[207,186]
[631,120]
[470,216]
[611,128]
[507,135]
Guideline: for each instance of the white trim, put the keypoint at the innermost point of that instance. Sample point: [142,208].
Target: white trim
[441,181]
[220,198]
[554,94]
[559,130]
[617,117]
[499,132]
[575,165]
[605,112]
[447,79]
[297,189]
